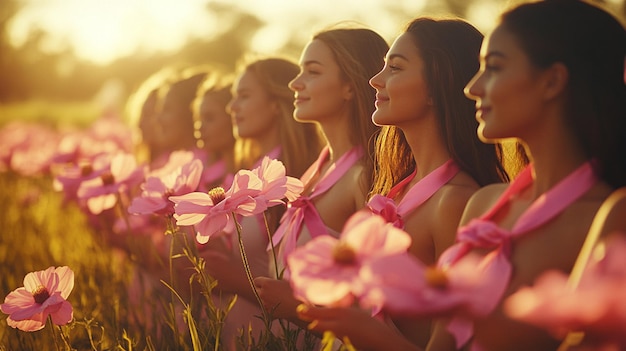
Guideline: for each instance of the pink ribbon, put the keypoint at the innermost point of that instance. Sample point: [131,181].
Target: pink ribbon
[415,197]
[302,210]
[496,267]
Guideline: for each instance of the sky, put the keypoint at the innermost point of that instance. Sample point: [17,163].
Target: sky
[101,31]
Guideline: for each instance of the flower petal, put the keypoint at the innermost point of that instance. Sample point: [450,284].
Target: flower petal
[66,280]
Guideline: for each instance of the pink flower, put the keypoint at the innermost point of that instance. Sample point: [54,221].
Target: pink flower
[68,178]
[276,185]
[251,193]
[106,136]
[44,294]
[596,306]
[330,271]
[156,191]
[101,193]
[27,149]
[212,212]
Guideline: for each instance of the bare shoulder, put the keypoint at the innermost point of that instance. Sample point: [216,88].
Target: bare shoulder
[482,200]
[355,185]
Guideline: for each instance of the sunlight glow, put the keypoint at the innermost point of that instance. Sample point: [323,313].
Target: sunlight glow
[101,31]
[302,19]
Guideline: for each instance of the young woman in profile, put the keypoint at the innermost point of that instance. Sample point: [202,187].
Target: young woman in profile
[331,91]
[544,82]
[261,110]
[428,156]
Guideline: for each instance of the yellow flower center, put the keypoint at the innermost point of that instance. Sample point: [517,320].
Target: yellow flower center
[436,277]
[41,294]
[217,195]
[343,254]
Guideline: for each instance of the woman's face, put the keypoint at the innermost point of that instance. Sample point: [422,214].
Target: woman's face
[254,113]
[174,124]
[147,119]
[320,92]
[401,91]
[215,127]
[507,89]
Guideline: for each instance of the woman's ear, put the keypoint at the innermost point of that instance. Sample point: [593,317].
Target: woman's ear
[348,92]
[556,79]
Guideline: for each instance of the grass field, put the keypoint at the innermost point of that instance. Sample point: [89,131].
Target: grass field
[117,303]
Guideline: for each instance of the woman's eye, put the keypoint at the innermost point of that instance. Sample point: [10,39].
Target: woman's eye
[393,68]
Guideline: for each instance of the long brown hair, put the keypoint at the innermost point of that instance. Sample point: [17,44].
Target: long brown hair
[360,53]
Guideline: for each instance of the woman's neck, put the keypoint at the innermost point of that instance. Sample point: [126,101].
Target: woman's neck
[268,142]
[428,149]
[337,139]
[555,153]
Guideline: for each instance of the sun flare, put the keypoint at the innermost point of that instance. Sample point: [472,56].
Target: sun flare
[101,31]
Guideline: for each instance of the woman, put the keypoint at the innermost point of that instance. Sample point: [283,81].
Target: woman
[214,130]
[172,126]
[331,91]
[261,109]
[429,159]
[544,82]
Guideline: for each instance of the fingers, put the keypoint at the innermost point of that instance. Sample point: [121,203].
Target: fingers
[313,313]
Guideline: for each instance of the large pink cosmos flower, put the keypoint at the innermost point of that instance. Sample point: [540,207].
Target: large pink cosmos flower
[596,306]
[251,192]
[329,271]
[156,190]
[276,185]
[44,294]
[101,193]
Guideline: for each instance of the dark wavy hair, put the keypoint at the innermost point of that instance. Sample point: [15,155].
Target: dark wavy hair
[591,43]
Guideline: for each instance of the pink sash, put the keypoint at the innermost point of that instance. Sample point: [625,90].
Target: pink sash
[415,197]
[483,233]
[302,210]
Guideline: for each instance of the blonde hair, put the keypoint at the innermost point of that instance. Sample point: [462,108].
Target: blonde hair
[300,142]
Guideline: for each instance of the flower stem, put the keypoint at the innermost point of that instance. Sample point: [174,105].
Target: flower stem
[269,237]
[172,230]
[246,266]
[121,209]
[54,335]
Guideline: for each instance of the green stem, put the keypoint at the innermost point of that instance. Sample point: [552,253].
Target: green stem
[246,266]
[54,335]
[269,237]
[65,338]
[171,228]
[206,282]
[121,209]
